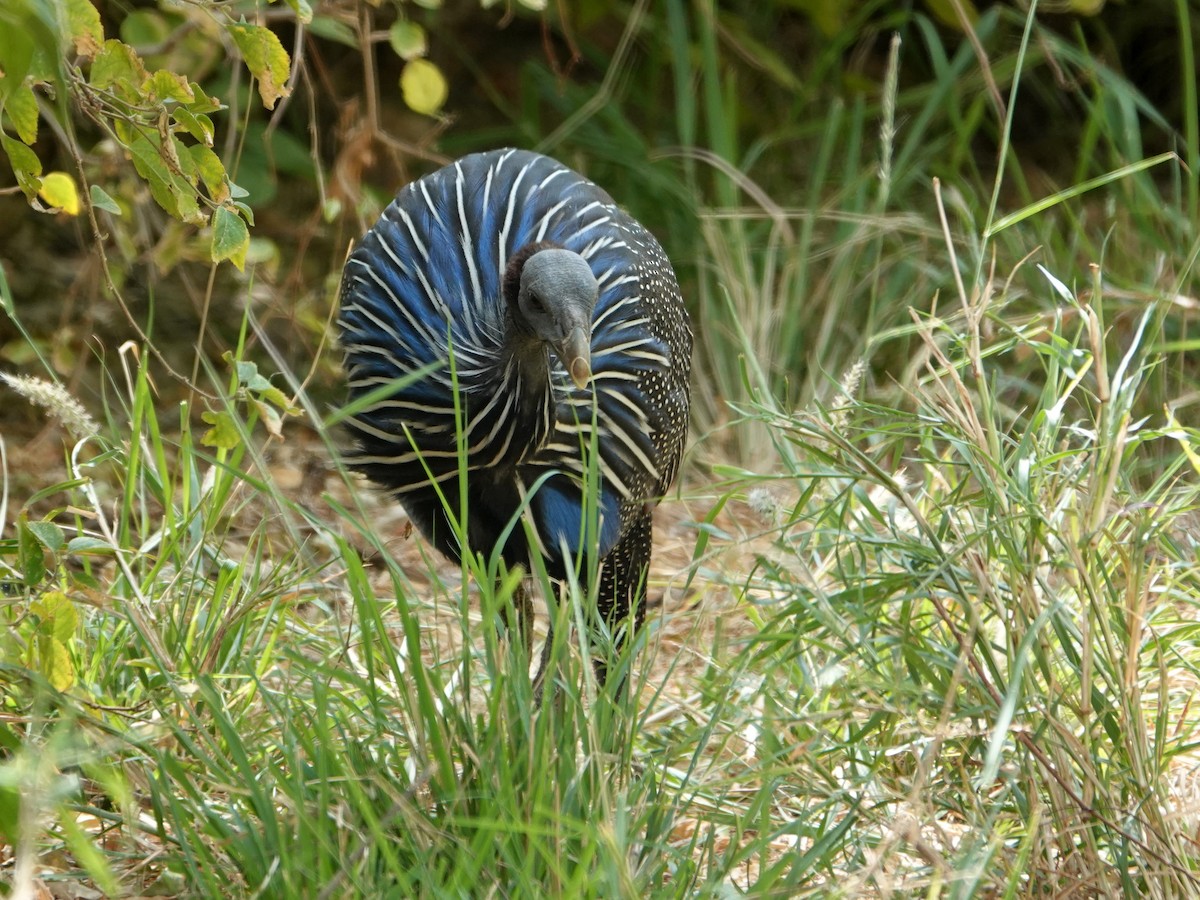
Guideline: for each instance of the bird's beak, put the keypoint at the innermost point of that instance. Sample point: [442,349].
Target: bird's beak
[577,356]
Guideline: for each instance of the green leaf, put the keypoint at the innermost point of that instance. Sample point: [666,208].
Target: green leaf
[230,237]
[423,86]
[16,54]
[89,546]
[334,30]
[118,66]
[265,58]
[31,34]
[276,396]
[25,165]
[204,103]
[170,189]
[302,9]
[408,39]
[84,27]
[102,200]
[57,617]
[224,434]
[198,126]
[249,377]
[58,189]
[22,110]
[48,535]
[30,554]
[212,171]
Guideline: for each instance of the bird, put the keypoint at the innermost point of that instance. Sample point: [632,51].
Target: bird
[506,316]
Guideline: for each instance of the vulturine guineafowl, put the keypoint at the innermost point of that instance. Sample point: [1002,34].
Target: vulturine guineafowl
[532,306]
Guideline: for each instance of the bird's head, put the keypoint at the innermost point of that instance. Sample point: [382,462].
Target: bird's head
[555,299]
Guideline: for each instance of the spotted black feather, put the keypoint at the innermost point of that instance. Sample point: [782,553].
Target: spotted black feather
[479,276]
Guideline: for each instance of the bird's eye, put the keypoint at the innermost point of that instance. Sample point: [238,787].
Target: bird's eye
[534,301]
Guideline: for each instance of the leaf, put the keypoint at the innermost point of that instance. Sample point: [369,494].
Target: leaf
[58,189]
[118,66]
[55,663]
[204,103]
[423,86]
[271,419]
[30,554]
[408,39]
[302,9]
[164,85]
[212,172]
[265,58]
[535,5]
[334,30]
[198,126]
[57,617]
[25,165]
[230,237]
[277,397]
[48,535]
[170,189]
[90,546]
[224,434]
[22,110]
[102,200]
[16,52]
[84,27]
[248,375]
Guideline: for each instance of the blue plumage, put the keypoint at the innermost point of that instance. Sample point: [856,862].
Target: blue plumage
[597,340]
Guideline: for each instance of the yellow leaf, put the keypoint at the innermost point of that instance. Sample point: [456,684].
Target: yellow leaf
[265,58]
[423,86]
[55,663]
[83,24]
[57,616]
[165,85]
[224,434]
[58,189]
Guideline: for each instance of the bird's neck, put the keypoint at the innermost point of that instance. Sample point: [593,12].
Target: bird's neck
[528,360]
[509,401]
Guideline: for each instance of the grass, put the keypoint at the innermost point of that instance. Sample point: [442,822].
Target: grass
[929,620]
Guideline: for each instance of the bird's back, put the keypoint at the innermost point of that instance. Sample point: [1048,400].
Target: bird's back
[423,316]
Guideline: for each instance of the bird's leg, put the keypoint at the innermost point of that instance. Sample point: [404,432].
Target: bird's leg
[623,589]
[539,680]
[522,605]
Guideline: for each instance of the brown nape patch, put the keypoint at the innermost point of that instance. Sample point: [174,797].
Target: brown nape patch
[511,282]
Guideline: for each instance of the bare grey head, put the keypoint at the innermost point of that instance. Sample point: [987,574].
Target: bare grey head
[555,299]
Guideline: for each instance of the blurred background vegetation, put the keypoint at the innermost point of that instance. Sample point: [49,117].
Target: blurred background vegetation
[745,135]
